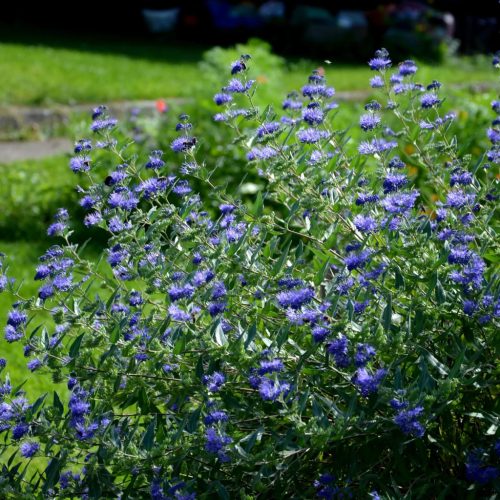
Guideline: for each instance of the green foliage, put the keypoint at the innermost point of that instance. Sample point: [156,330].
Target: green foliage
[244,342]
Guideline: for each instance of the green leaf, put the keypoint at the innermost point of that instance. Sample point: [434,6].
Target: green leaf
[218,334]
[221,490]
[192,423]
[36,405]
[281,261]
[252,331]
[440,293]
[399,280]
[75,346]
[58,406]
[467,331]
[115,334]
[433,279]
[320,275]
[258,206]
[387,314]
[52,473]
[149,436]
[418,322]
[442,369]
[180,344]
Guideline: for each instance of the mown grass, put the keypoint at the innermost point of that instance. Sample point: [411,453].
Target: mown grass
[44,74]
[21,260]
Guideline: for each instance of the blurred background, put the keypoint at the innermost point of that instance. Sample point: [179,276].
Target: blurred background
[426,28]
[150,60]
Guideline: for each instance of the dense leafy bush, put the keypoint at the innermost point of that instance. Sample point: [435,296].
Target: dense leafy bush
[335,337]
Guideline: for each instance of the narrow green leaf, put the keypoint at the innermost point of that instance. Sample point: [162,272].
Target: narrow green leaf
[440,293]
[192,423]
[252,331]
[387,314]
[52,473]
[149,435]
[115,334]
[75,346]
[58,404]
[218,335]
[258,206]
[399,280]
[180,344]
[281,261]
[320,275]
[418,322]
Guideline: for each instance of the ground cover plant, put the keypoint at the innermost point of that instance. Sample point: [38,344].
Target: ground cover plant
[334,336]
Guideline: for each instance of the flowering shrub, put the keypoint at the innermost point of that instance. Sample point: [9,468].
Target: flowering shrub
[335,337]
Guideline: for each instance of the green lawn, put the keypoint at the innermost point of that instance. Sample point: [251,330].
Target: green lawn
[22,258]
[46,72]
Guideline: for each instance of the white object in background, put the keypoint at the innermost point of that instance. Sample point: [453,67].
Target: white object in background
[160,21]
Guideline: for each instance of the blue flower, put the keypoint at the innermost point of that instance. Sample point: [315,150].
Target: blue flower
[268,128]
[29,448]
[357,260]
[407,67]
[46,291]
[364,198]
[218,290]
[216,417]
[311,135]
[338,348]
[365,224]
[376,146]
[222,98]
[155,162]
[319,333]
[262,153]
[393,182]
[459,199]
[400,203]
[178,314]
[16,318]
[364,353]
[429,100]
[183,144]
[396,163]
[56,229]
[176,292]
[270,390]
[289,282]
[369,121]
[271,366]
[407,420]
[214,382]
[216,443]
[376,82]
[313,115]
[203,276]
[237,86]
[20,430]
[103,124]
[135,299]
[80,163]
[34,364]
[460,177]
[380,61]
[215,308]
[366,382]
[295,298]
[82,145]
[476,469]
[470,307]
